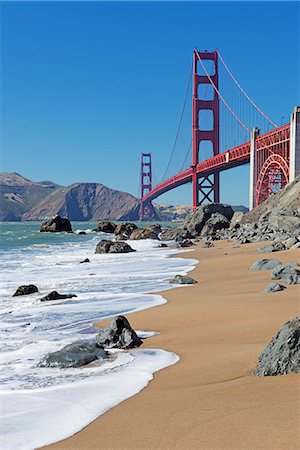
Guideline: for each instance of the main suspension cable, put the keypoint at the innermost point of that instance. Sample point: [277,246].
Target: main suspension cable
[219,94]
[245,93]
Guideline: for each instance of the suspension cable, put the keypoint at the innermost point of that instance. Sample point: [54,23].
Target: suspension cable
[220,95]
[245,93]
[179,124]
[186,156]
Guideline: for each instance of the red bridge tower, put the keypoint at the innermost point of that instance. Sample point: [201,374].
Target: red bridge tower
[204,188]
[147,211]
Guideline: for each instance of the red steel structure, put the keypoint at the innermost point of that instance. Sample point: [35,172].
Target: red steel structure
[274,156]
[205,187]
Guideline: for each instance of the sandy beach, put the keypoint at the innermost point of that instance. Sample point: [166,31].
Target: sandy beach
[210,400]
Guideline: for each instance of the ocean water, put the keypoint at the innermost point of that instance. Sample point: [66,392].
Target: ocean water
[43,405]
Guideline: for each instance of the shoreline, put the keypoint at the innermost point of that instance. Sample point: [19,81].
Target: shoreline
[209,399]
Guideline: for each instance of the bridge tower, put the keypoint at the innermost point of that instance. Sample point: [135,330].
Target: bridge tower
[147,211]
[205,188]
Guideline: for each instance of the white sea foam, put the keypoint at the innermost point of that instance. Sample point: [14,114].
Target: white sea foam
[43,405]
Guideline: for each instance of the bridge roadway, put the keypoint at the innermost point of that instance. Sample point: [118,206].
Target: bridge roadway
[226,160]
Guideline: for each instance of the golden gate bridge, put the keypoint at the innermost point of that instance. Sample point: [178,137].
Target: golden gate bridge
[228,130]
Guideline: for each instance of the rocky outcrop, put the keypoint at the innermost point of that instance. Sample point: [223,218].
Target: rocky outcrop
[214,216]
[265,264]
[56,224]
[74,355]
[118,334]
[183,279]
[105,227]
[106,246]
[151,232]
[54,295]
[124,230]
[282,355]
[280,212]
[26,290]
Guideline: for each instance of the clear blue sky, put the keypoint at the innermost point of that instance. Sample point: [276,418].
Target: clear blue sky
[88,86]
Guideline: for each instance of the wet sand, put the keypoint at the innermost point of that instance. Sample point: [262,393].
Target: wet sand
[210,400]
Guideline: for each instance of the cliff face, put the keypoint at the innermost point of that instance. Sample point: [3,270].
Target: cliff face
[18,195]
[86,201]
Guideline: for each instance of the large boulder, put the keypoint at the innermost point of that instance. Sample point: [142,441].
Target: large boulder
[196,221]
[106,246]
[26,290]
[150,232]
[265,264]
[54,295]
[123,231]
[56,224]
[118,334]
[106,227]
[74,355]
[282,355]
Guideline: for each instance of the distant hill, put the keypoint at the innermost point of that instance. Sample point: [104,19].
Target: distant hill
[18,195]
[86,201]
[23,199]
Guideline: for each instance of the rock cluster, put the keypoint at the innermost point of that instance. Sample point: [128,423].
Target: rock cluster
[118,334]
[129,231]
[282,354]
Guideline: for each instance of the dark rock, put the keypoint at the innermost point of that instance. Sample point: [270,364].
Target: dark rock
[243,240]
[186,243]
[86,260]
[124,230]
[54,295]
[208,244]
[81,233]
[195,222]
[288,273]
[74,355]
[265,264]
[274,287]
[282,354]
[106,227]
[106,246]
[118,334]
[26,290]
[56,224]
[274,247]
[183,279]
[162,245]
[150,232]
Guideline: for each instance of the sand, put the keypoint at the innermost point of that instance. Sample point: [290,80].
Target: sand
[210,400]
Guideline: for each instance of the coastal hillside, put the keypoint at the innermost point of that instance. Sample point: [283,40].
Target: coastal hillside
[18,195]
[86,201]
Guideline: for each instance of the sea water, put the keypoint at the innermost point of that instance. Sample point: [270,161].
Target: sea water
[40,406]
